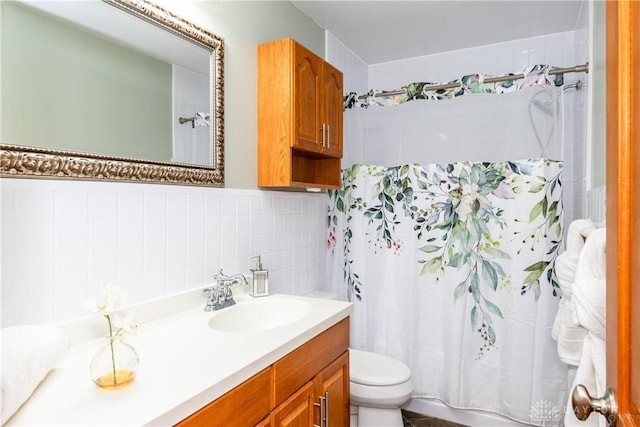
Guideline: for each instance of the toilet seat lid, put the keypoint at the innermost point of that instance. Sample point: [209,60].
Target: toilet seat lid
[376,369]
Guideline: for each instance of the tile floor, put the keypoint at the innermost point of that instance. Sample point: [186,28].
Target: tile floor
[412,419]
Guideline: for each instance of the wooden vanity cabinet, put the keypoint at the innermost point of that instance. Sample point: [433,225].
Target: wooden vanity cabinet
[299,117]
[287,393]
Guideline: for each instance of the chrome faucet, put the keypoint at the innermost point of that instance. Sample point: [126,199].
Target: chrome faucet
[220,295]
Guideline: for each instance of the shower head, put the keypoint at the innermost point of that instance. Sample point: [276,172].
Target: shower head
[544,107]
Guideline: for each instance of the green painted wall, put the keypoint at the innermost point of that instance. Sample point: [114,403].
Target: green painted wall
[48,68]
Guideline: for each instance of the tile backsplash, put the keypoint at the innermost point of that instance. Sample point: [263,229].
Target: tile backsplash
[61,240]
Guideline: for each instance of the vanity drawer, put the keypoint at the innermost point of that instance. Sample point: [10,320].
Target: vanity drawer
[245,405]
[301,365]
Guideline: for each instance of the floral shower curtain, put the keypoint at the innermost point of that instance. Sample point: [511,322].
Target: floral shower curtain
[450,267]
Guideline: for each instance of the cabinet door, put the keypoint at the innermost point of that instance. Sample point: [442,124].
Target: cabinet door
[332,110]
[304,363]
[252,396]
[307,97]
[334,381]
[297,410]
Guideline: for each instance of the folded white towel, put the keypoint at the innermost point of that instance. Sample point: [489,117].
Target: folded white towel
[566,329]
[28,354]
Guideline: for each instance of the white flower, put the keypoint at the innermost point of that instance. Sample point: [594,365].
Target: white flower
[112,298]
[124,323]
[109,306]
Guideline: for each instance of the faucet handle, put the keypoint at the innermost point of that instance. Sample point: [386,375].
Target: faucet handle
[212,298]
[212,293]
[228,293]
[219,277]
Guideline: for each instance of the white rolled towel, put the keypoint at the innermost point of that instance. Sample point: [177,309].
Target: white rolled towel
[589,299]
[566,328]
[589,292]
[28,354]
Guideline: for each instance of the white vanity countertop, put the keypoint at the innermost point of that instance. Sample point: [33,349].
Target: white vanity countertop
[184,365]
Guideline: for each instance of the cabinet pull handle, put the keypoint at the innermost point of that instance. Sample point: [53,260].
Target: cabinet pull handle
[323,139]
[320,405]
[328,136]
[326,400]
[324,410]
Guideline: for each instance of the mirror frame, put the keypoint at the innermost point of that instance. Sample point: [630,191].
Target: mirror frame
[35,162]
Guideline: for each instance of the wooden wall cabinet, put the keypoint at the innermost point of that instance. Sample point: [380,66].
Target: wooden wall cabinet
[299,118]
[288,392]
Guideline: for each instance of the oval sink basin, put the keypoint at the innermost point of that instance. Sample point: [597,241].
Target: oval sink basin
[259,315]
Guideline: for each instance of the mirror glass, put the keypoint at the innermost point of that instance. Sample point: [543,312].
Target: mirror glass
[112,89]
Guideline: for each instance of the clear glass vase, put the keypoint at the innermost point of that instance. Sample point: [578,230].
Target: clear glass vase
[115,364]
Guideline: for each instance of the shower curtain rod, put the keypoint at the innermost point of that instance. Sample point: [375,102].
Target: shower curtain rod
[577,69]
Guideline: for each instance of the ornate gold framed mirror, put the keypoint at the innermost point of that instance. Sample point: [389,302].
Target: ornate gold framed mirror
[35,119]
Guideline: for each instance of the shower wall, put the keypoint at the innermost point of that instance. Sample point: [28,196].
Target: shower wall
[561,49]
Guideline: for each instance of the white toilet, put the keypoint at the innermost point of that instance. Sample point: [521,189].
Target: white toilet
[379,385]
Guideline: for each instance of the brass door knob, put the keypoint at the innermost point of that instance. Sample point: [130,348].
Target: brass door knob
[583,404]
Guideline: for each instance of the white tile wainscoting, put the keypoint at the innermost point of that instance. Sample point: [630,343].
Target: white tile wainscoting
[61,240]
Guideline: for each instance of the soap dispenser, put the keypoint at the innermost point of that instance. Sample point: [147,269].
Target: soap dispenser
[259,280]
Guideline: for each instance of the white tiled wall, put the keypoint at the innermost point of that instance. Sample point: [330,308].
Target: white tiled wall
[596,209]
[62,239]
[354,70]
[576,129]
[500,58]
[356,76]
